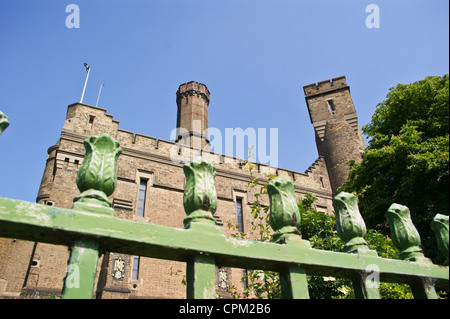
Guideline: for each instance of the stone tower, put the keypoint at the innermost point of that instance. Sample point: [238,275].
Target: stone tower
[192,115]
[338,136]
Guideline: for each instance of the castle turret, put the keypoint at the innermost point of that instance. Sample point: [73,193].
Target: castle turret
[192,115]
[338,136]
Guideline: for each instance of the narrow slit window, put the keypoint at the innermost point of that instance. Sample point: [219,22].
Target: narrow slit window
[142,197]
[331,106]
[91,121]
[240,221]
[135,268]
[322,183]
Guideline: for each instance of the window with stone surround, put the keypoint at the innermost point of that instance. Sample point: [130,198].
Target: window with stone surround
[239,215]
[240,199]
[135,268]
[91,121]
[142,195]
[331,106]
[144,181]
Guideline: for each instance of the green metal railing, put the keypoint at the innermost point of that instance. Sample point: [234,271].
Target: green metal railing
[90,228]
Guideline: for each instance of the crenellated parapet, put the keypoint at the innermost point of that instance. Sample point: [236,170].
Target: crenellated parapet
[325,86]
[193,89]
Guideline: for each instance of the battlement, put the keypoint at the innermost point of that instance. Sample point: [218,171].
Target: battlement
[193,88]
[325,86]
[85,120]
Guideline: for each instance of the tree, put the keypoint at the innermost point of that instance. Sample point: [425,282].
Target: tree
[406,160]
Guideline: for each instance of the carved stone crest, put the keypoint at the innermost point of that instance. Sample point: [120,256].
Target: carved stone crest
[118,268]
[222,279]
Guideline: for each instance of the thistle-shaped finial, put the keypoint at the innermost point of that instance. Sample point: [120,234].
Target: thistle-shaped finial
[404,234]
[439,225]
[285,217]
[97,176]
[350,225]
[200,198]
[4,123]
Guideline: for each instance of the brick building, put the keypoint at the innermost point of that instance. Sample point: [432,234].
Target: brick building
[150,189]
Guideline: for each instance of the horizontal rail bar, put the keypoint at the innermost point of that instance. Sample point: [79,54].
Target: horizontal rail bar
[49,224]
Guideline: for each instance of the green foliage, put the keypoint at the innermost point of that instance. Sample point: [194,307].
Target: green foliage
[407,159]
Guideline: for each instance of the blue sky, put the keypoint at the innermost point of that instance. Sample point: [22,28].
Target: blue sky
[254,56]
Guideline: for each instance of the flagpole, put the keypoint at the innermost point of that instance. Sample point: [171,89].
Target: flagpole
[88,69]
[99,91]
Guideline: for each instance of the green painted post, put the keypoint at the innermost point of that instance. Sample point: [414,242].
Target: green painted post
[407,239]
[201,277]
[366,285]
[294,283]
[200,203]
[285,220]
[81,270]
[423,288]
[96,180]
[351,228]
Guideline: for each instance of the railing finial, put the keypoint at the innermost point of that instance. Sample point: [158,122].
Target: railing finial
[200,198]
[439,224]
[350,225]
[97,176]
[4,123]
[285,217]
[404,234]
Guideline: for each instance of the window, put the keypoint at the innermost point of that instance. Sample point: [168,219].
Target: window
[91,121]
[141,201]
[331,106]
[240,221]
[141,197]
[135,268]
[321,209]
